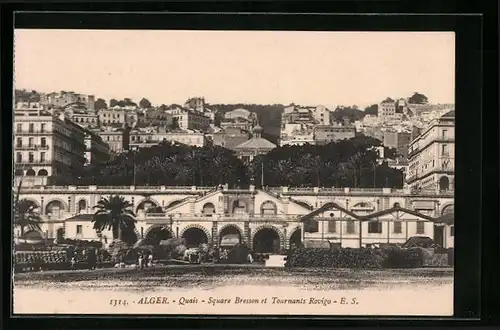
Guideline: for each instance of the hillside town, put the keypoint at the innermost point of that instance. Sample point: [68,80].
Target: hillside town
[52,129]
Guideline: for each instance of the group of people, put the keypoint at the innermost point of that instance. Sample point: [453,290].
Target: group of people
[144,260]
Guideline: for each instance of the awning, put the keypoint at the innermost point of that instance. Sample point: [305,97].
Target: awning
[230,240]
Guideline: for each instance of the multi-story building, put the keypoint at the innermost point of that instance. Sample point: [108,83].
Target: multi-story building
[189,119]
[45,145]
[118,116]
[386,108]
[116,138]
[432,156]
[144,138]
[85,119]
[63,99]
[96,150]
[397,140]
[156,117]
[324,134]
[298,139]
[321,115]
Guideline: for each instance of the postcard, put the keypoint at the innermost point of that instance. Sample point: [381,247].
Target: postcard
[178,172]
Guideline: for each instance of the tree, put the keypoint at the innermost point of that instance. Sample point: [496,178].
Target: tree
[144,103]
[175,123]
[371,110]
[25,213]
[343,114]
[113,103]
[418,98]
[114,213]
[100,104]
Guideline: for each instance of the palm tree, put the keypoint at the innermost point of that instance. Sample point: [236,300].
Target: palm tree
[114,213]
[25,213]
[353,165]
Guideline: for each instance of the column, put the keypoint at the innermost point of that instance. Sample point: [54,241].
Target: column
[215,234]
[251,206]
[247,234]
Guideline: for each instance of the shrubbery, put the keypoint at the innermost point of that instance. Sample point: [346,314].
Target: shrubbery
[338,258]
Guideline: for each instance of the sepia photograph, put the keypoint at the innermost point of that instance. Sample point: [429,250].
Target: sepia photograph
[203,172]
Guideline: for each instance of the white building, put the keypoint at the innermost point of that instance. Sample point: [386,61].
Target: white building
[432,156]
[45,145]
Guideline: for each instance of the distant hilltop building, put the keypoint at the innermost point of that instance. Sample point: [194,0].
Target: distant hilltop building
[255,146]
[63,99]
[240,118]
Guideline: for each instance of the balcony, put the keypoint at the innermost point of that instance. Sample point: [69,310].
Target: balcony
[31,147]
[162,217]
[27,163]
[33,132]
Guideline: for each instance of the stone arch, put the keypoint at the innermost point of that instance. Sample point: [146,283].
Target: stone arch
[230,229]
[153,228]
[268,208]
[208,209]
[396,204]
[43,172]
[447,208]
[197,227]
[19,173]
[266,227]
[363,204]
[143,201]
[30,172]
[82,205]
[293,239]
[444,183]
[50,204]
[130,237]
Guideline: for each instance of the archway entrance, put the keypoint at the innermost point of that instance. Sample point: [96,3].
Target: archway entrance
[146,205]
[266,240]
[296,239]
[194,237]
[54,208]
[444,183]
[157,234]
[229,236]
[82,206]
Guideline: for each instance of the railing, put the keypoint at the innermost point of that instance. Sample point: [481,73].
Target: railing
[31,147]
[228,217]
[283,191]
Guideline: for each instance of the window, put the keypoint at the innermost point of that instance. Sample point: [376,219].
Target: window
[30,142]
[31,158]
[42,128]
[31,128]
[79,229]
[452,231]
[19,157]
[42,157]
[374,227]
[332,226]
[19,127]
[44,142]
[397,227]
[420,227]
[19,142]
[445,134]
[444,150]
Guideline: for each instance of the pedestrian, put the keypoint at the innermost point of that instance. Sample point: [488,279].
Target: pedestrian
[92,259]
[250,258]
[73,262]
[150,260]
[141,261]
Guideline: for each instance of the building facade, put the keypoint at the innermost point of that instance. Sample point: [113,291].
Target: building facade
[386,109]
[431,156]
[254,147]
[63,99]
[45,145]
[399,141]
[267,220]
[325,134]
[96,150]
[189,119]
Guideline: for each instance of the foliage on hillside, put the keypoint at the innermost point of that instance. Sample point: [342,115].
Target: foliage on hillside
[347,163]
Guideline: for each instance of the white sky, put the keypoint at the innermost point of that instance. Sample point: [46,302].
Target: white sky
[328,68]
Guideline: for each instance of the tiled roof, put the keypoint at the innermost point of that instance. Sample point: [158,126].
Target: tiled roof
[256,143]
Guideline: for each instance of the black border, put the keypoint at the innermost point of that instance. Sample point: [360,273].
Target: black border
[469,116]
